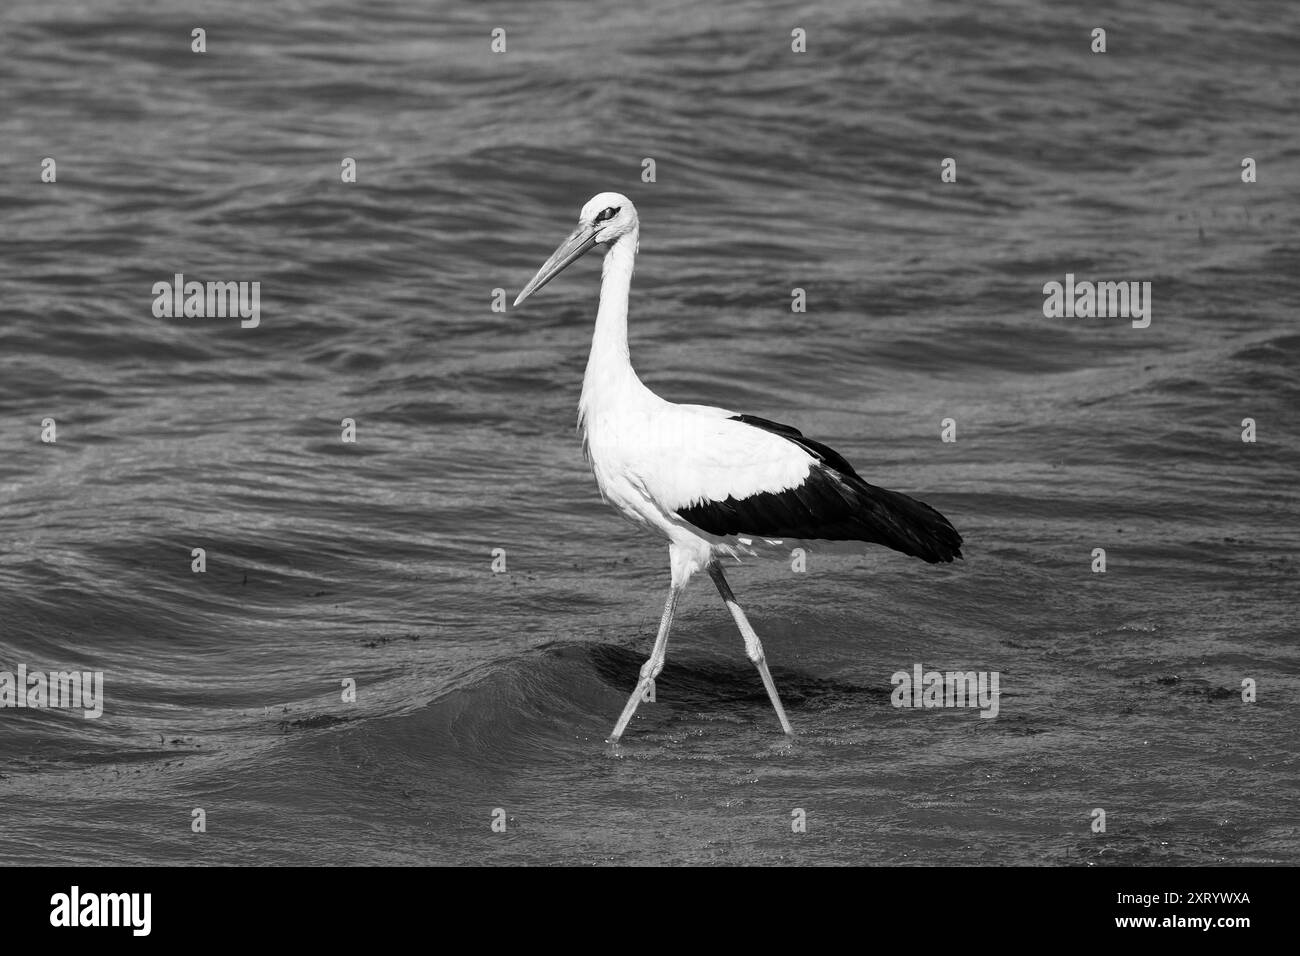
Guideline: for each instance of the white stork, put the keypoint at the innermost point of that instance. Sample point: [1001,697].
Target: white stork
[709,480]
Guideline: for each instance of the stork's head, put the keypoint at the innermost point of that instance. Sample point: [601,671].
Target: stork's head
[605,219]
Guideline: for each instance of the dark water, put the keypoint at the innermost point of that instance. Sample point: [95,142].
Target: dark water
[775,170]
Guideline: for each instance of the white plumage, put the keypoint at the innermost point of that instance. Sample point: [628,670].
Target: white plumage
[707,480]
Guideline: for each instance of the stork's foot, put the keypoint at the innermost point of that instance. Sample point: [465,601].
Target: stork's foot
[643,692]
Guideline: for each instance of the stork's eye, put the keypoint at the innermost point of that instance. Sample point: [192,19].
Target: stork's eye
[608,214]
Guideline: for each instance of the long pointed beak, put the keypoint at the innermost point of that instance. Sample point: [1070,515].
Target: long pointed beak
[571,249]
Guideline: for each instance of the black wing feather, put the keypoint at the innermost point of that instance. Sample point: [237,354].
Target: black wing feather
[833,504]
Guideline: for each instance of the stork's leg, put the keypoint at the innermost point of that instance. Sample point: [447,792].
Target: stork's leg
[651,668]
[753,647]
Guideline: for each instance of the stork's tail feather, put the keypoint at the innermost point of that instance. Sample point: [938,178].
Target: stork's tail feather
[899,521]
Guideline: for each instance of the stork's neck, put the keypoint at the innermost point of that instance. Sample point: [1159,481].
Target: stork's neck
[609,368]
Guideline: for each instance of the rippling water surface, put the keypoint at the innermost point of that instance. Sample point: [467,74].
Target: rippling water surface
[775,170]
